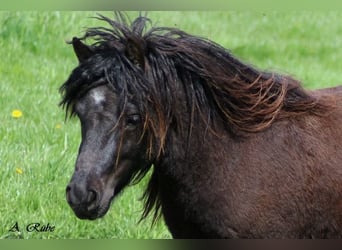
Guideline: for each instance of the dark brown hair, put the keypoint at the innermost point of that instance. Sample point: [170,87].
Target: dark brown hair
[153,65]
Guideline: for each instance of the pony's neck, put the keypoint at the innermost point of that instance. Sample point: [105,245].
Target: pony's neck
[179,176]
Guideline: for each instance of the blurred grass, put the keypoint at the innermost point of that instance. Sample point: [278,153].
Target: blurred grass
[35,61]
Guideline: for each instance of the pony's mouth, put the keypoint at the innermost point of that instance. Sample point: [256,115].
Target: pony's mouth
[94,211]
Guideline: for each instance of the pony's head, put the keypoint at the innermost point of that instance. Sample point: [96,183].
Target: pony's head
[109,94]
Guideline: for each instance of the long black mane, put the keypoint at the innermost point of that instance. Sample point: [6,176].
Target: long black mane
[150,67]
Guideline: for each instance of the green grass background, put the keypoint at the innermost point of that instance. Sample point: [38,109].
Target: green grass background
[35,60]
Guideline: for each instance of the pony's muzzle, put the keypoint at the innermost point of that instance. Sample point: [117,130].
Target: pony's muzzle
[84,201]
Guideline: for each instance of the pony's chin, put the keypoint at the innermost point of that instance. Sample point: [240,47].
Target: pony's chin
[95,213]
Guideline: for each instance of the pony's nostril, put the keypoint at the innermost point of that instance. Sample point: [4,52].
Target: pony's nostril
[67,192]
[91,196]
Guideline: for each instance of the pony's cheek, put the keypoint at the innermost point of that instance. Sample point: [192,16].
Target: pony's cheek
[120,177]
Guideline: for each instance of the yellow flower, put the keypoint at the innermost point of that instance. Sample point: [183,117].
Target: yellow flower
[18,170]
[16,113]
[58,126]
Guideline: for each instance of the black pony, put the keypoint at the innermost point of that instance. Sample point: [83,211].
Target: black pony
[235,152]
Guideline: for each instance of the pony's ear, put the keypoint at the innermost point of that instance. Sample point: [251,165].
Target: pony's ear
[82,51]
[135,52]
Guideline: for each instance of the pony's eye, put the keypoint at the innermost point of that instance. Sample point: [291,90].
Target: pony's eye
[133,120]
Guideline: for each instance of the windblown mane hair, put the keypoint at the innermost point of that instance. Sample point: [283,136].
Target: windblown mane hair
[151,66]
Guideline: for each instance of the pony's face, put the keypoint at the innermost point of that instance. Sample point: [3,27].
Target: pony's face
[109,154]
